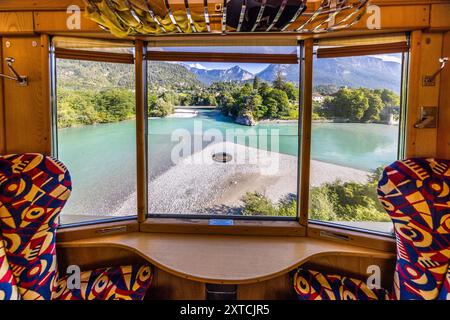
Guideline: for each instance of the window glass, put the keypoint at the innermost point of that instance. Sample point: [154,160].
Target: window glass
[96,138]
[223,138]
[355,134]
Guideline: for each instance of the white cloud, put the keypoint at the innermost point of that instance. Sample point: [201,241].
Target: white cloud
[197,65]
[389,57]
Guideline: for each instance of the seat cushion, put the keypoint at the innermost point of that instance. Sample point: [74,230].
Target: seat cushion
[115,283]
[313,285]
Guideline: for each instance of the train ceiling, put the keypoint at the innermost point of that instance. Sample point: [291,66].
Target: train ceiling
[151,17]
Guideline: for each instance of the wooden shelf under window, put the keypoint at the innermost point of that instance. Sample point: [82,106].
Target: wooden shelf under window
[225,258]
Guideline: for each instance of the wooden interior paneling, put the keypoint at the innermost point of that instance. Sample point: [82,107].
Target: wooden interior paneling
[56,21]
[27,109]
[96,257]
[279,288]
[440,16]
[443,143]
[400,16]
[425,52]
[2,108]
[16,22]
[39,4]
[166,286]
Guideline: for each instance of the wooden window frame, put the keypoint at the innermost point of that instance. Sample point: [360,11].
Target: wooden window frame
[300,227]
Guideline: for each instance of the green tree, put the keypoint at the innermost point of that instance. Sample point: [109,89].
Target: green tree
[278,83]
[256,83]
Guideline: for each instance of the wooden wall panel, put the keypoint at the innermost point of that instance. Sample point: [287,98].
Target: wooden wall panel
[39,4]
[440,17]
[27,108]
[16,22]
[166,286]
[425,52]
[279,288]
[443,143]
[96,257]
[56,21]
[2,109]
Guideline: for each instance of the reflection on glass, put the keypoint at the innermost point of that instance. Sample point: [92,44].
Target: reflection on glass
[355,133]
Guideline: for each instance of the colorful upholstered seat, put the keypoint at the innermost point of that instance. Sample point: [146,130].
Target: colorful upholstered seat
[33,190]
[8,286]
[416,194]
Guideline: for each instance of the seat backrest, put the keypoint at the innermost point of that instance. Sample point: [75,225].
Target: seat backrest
[33,190]
[416,194]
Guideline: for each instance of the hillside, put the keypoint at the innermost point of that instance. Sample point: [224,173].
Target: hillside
[369,72]
[75,74]
[207,77]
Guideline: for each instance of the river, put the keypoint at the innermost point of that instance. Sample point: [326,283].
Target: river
[101,158]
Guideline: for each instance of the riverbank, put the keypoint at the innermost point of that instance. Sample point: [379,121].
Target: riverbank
[199,185]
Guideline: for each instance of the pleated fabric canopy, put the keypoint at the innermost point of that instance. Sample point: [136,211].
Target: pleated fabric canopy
[148,17]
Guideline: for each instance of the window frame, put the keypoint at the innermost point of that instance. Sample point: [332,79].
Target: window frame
[241,58]
[83,55]
[364,50]
[296,226]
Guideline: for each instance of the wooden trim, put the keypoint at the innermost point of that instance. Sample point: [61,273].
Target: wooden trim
[413,92]
[226,259]
[96,230]
[382,48]
[443,147]
[356,238]
[440,17]
[99,56]
[2,105]
[17,23]
[240,227]
[426,49]
[141,130]
[46,95]
[305,129]
[26,5]
[222,57]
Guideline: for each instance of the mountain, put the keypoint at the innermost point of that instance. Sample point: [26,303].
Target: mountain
[289,71]
[207,77]
[364,71]
[79,74]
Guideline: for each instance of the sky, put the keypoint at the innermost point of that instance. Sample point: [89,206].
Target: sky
[258,67]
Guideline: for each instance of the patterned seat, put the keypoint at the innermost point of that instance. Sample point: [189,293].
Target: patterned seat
[416,194]
[33,190]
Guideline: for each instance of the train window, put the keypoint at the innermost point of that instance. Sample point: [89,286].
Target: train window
[223,136]
[95,130]
[357,130]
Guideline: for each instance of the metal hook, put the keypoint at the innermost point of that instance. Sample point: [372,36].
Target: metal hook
[430,80]
[21,80]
